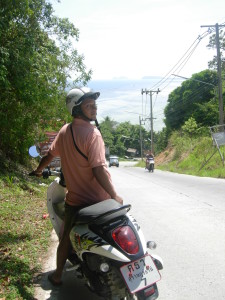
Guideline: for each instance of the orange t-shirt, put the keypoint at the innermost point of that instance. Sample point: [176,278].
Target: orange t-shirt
[82,187]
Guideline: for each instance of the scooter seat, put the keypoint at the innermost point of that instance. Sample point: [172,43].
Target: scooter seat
[101,212]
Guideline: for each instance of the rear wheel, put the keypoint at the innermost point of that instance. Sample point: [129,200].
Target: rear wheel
[130,297]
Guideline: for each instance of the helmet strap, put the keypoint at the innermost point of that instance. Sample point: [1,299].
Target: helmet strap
[97,125]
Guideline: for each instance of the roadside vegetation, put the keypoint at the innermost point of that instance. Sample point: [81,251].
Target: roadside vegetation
[190,151]
[38,63]
[192,156]
[24,230]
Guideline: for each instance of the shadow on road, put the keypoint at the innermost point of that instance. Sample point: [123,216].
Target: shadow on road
[72,288]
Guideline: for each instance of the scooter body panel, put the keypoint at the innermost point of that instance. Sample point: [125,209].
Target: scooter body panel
[86,241]
[89,245]
[56,196]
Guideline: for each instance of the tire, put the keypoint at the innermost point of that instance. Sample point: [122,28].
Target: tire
[130,297]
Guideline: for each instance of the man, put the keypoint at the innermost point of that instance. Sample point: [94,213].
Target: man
[81,149]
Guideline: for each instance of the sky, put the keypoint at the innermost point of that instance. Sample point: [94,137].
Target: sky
[136,38]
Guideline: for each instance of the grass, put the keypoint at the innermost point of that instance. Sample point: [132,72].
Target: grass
[24,232]
[140,164]
[192,157]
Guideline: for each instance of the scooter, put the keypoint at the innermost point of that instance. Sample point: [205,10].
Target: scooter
[150,164]
[109,246]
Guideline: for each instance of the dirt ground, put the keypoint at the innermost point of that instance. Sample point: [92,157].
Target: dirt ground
[165,156]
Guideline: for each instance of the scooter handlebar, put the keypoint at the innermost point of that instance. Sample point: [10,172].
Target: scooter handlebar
[46,173]
[32,173]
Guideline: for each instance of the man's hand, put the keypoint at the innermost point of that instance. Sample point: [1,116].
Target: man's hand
[103,179]
[118,199]
[35,173]
[45,161]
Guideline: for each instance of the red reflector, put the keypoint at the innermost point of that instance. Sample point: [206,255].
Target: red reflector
[126,239]
[149,291]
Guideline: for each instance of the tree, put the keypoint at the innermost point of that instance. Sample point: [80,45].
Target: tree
[161,140]
[36,60]
[213,64]
[212,44]
[121,136]
[190,127]
[189,98]
[108,128]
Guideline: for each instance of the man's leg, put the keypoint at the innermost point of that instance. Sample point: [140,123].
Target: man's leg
[64,244]
[62,255]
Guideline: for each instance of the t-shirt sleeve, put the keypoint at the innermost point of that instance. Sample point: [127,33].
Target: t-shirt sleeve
[54,148]
[96,153]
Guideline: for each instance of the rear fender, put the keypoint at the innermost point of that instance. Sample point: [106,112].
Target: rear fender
[139,231]
[85,241]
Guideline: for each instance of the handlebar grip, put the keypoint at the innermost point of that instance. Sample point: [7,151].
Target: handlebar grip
[31,174]
[46,173]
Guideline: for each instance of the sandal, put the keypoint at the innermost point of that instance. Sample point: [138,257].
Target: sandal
[53,282]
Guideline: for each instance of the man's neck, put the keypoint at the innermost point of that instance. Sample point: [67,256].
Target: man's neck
[84,118]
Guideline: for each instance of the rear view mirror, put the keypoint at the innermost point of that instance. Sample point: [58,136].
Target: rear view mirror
[33,151]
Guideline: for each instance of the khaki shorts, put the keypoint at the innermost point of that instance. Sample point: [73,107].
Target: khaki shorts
[70,217]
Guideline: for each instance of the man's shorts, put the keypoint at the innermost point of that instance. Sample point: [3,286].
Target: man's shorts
[70,217]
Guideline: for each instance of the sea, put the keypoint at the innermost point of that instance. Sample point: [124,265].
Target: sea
[129,99]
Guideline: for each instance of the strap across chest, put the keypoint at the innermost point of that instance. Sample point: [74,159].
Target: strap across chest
[75,145]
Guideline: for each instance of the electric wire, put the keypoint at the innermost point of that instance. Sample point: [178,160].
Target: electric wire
[182,61]
[191,98]
[181,66]
[178,67]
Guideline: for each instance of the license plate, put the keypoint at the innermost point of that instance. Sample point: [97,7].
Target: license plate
[140,274]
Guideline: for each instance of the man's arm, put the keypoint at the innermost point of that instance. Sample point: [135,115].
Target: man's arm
[45,161]
[102,178]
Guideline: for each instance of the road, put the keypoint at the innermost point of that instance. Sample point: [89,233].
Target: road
[185,215]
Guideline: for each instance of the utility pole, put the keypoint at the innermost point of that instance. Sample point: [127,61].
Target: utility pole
[141,139]
[150,92]
[219,73]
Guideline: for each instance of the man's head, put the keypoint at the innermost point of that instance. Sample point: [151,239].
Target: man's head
[80,102]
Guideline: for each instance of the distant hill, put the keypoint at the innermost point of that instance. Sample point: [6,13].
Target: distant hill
[120,78]
[151,77]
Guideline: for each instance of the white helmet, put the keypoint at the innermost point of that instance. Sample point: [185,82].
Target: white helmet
[76,96]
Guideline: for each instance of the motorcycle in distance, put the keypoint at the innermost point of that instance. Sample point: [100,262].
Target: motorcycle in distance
[150,163]
[108,245]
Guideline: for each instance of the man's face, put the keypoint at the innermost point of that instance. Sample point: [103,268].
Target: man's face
[89,108]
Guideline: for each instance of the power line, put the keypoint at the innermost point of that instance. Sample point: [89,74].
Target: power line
[180,61]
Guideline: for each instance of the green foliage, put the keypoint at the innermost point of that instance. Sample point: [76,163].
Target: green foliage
[36,59]
[192,99]
[194,156]
[212,44]
[22,246]
[121,136]
[207,114]
[108,128]
[190,127]
[161,140]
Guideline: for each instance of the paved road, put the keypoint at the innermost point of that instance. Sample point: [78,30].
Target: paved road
[185,215]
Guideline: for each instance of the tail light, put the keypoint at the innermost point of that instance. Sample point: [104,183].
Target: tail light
[149,291]
[126,239]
